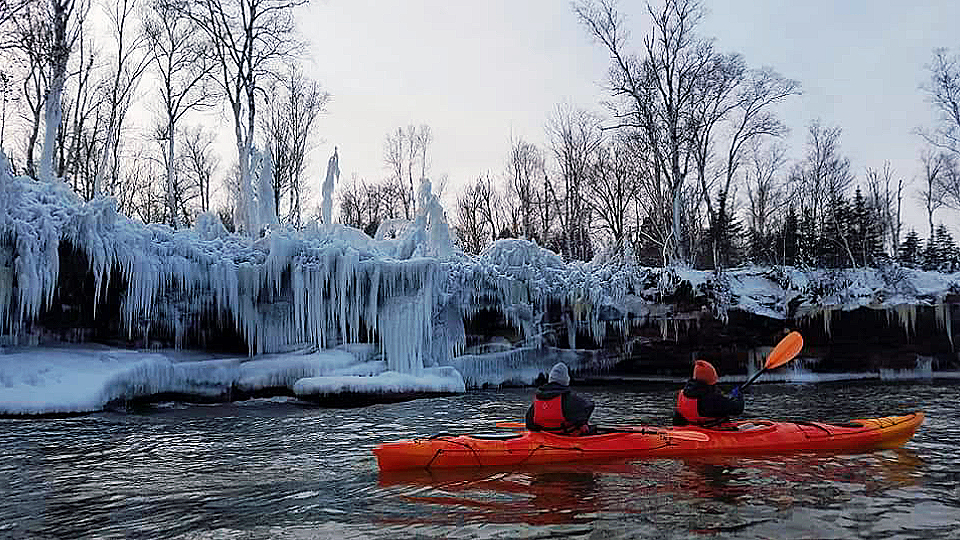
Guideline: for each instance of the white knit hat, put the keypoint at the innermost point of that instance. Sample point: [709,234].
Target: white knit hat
[559,374]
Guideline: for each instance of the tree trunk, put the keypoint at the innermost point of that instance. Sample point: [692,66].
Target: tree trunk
[171,192]
[52,114]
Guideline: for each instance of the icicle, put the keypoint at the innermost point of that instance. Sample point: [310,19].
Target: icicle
[907,316]
[944,321]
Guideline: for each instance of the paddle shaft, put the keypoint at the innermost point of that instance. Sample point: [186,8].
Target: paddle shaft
[755,375]
[785,351]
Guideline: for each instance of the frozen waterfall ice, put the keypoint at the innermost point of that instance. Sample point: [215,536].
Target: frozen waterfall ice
[333,173]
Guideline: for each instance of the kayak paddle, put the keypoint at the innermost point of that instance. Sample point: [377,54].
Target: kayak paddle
[785,351]
[679,435]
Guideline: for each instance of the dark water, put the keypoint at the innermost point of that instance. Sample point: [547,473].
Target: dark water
[263,469]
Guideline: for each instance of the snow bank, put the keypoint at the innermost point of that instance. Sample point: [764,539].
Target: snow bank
[46,380]
[70,379]
[433,380]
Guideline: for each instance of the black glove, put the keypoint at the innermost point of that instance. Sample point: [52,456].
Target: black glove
[736,393]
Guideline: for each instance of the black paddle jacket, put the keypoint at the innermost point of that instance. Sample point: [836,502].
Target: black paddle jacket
[576,408]
[711,402]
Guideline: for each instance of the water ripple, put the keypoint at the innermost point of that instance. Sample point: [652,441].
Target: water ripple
[266,470]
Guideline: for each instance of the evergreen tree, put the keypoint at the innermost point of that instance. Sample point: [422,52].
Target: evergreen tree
[930,256]
[756,247]
[865,238]
[725,236]
[910,250]
[808,241]
[946,250]
[836,235]
[790,238]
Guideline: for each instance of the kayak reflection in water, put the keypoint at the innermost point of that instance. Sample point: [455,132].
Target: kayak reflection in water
[701,401]
[557,409]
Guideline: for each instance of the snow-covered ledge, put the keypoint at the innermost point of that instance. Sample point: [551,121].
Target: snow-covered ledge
[408,295]
[72,379]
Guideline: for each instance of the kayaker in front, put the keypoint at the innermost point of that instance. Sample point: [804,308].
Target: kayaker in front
[559,410]
[701,402]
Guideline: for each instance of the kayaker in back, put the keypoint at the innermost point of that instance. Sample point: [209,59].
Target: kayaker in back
[702,402]
[557,409]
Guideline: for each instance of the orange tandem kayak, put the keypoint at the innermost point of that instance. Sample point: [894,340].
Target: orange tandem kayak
[750,437]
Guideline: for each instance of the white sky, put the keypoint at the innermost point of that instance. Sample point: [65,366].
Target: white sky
[479,72]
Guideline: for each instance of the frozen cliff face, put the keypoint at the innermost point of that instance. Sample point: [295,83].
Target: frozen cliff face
[323,285]
[408,290]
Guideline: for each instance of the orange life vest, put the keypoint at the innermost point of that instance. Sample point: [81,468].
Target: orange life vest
[688,409]
[548,414]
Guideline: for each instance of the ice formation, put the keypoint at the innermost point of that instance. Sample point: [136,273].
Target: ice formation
[333,173]
[268,210]
[407,292]
[73,379]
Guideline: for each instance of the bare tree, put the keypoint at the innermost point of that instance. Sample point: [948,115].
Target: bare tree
[824,179]
[248,39]
[574,138]
[65,18]
[8,94]
[145,198]
[405,155]
[886,200]
[351,203]
[751,120]
[655,94]
[177,52]
[824,173]
[471,228]
[9,10]
[766,195]
[949,183]
[289,123]
[943,93]
[930,195]
[79,155]
[200,162]
[717,97]
[366,205]
[34,38]
[421,137]
[614,183]
[126,69]
[524,169]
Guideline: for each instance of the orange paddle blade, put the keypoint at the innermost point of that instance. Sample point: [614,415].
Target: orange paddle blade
[788,348]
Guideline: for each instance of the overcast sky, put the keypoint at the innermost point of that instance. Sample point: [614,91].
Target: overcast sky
[480,72]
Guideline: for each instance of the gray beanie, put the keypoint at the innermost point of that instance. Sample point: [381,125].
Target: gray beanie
[559,374]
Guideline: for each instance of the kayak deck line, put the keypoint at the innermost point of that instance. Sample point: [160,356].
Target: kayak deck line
[747,437]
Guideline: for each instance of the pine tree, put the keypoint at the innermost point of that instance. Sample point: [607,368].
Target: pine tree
[930,256]
[865,237]
[836,234]
[726,236]
[946,250]
[910,250]
[786,239]
[809,250]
